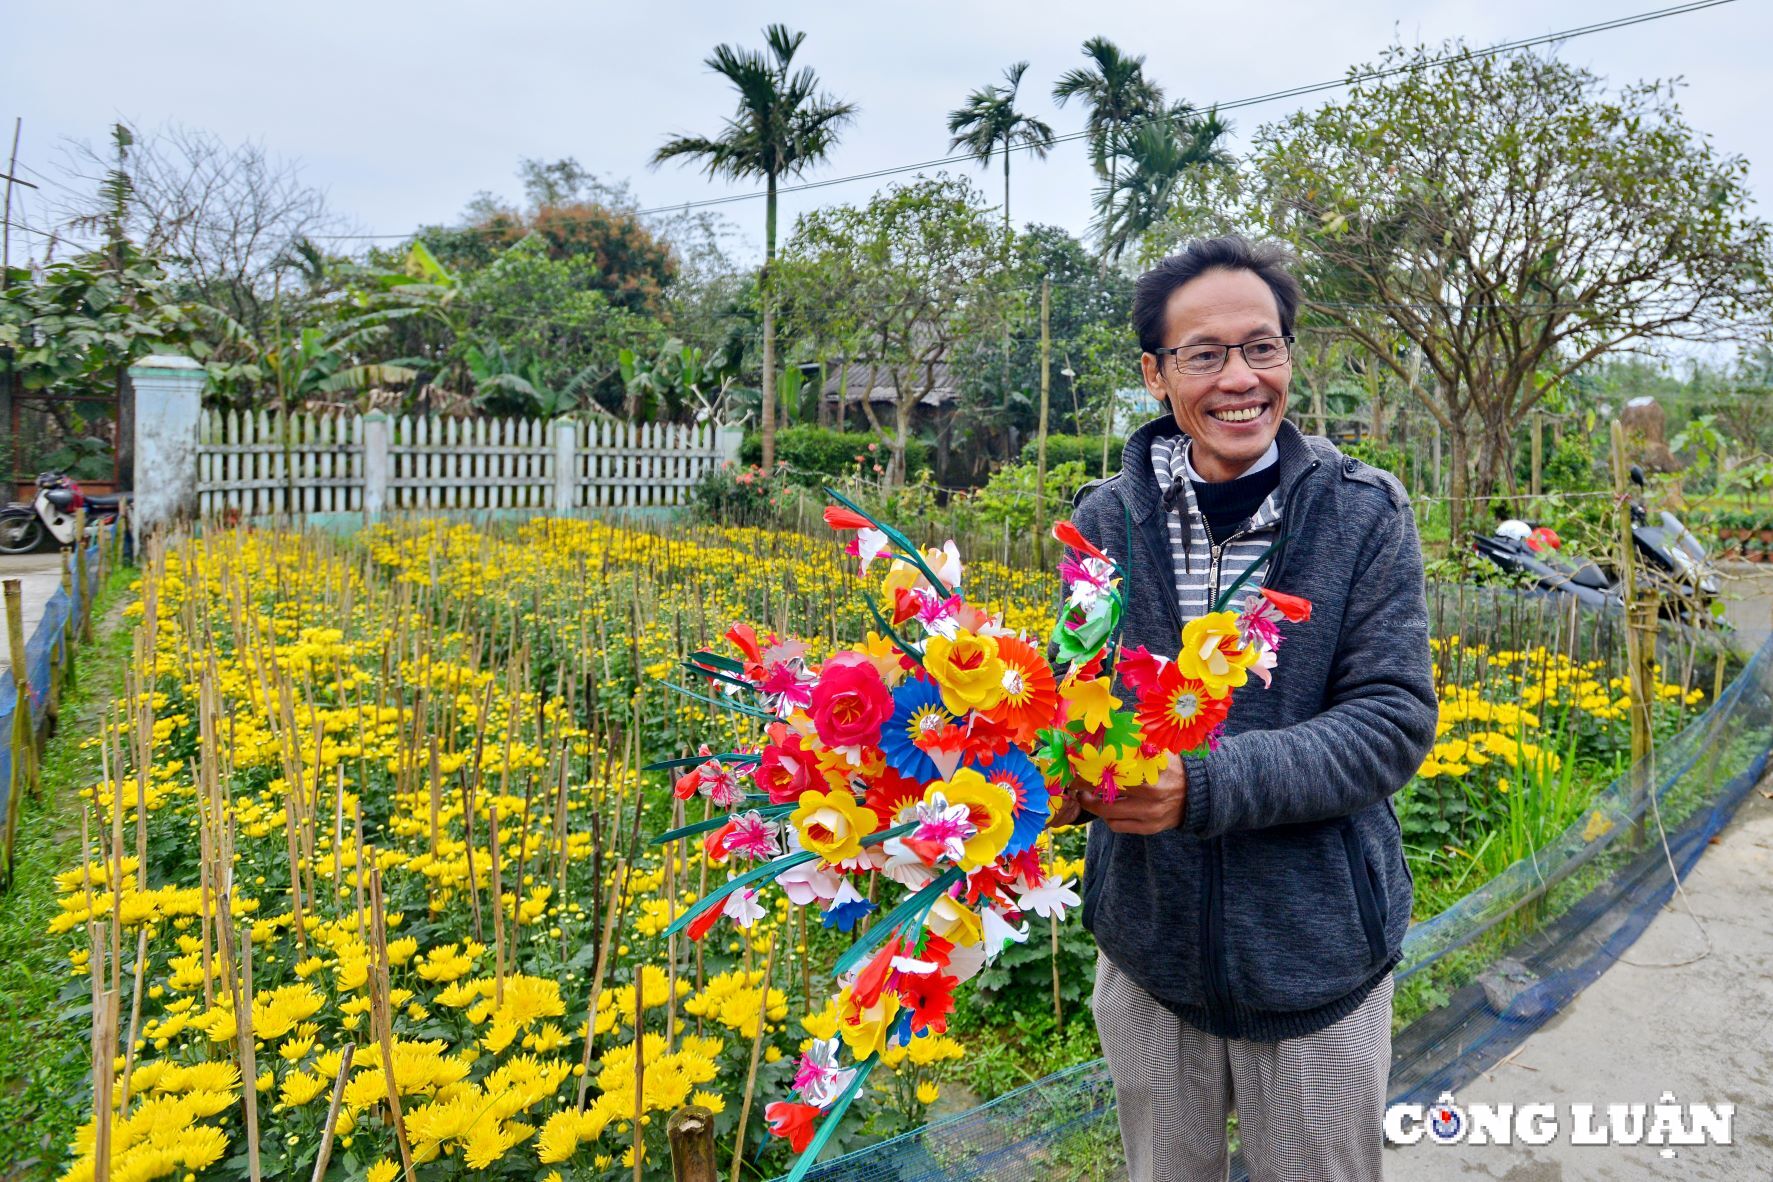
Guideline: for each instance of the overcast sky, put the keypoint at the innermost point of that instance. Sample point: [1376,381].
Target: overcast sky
[401,111]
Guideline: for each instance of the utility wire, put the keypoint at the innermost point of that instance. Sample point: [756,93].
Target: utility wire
[1070,137]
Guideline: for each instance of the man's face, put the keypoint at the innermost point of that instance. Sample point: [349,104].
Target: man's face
[1222,307]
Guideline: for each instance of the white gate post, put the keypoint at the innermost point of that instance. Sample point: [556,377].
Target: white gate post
[566,485]
[168,402]
[727,441]
[375,463]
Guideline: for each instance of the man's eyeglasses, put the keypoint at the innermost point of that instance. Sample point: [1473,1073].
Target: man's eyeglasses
[1201,360]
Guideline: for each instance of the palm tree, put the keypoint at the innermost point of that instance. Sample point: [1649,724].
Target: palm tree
[990,121]
[1160,152]
[1119,96]
[784,124]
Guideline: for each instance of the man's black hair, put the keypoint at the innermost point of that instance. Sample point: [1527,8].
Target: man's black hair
[1268,262]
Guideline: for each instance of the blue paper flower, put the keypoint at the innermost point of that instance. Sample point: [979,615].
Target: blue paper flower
[915,703]
[845,909]
[1031,796]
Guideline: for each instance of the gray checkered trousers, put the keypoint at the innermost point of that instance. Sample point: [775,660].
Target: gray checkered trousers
[1309,1109]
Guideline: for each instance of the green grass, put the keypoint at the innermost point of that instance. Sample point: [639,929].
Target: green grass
[44,1062]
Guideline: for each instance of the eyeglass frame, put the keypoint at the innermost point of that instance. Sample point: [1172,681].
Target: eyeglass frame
[1175,350]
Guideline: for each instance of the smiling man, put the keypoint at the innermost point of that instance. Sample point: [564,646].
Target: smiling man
[1251,905]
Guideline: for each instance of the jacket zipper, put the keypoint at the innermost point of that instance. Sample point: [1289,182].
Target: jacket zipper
[1214,975]
[1215,979]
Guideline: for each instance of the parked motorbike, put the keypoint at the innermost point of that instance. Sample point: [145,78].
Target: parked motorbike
[1669,556]
[1537,553]
[50,514]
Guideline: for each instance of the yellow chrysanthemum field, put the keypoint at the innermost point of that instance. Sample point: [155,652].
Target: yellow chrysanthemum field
[374,809]
[388,788]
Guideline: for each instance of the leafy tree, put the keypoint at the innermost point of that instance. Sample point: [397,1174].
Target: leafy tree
[72,328]
[1087,307]
[1119,97]
[1514,222]
[546,313]
[784,124]
[926,263]
[990,122]
[1159,155]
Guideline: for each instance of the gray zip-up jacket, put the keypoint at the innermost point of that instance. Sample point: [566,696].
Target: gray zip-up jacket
[1283,897]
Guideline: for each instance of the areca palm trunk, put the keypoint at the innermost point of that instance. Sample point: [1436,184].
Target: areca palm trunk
[768,426]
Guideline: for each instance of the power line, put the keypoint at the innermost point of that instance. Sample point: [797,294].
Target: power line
[1070,137]
[1235,104]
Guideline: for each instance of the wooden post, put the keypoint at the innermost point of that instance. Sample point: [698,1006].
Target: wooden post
[691,1131]
[1538,423]
[1637,661]
[1040,450]
[24,737]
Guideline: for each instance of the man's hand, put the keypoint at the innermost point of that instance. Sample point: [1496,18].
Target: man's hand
[1146,810]
[1069,809]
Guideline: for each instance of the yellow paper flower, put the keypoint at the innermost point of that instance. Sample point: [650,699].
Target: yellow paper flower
[958,925]
[967,669]
[1090,700]
[865,1030]
[1214,654]
[832,824]
[990,807]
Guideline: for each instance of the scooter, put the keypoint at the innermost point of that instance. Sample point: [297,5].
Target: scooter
[1674,559]
[23,528]
[1536,553]
[1669,556]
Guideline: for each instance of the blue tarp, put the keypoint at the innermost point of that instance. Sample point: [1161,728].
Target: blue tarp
[42,654]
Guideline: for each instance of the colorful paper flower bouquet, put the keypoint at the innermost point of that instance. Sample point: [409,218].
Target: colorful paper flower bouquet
[927,759]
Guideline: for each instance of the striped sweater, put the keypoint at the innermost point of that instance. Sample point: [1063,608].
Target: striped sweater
[1200,572]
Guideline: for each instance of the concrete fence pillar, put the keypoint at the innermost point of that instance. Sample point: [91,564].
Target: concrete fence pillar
[566,484]
[727,440]
[168,401]
[375,464]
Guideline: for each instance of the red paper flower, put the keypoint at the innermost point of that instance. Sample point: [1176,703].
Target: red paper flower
[929,997]
[1294,607]
[1139,669]
[1073,537]
[866,989]
[786,769]
[699,926]
[1031,699]
[850,702]
[837,517]
[1177,714]
[888,792]
[793,1121]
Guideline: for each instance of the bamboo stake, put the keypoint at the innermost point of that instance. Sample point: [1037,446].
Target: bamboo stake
[248,1053]
[384,1019]
[102,1056]
[763,1014]
[602,965]
[324,1158]
[639,1069]
[135,1015]
[498,902]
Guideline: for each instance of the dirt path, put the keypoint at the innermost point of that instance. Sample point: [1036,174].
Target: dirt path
[41,576]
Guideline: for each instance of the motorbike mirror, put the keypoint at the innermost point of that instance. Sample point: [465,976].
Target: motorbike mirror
[1637,476]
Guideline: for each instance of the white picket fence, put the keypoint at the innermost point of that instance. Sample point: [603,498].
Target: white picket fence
[254,464]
